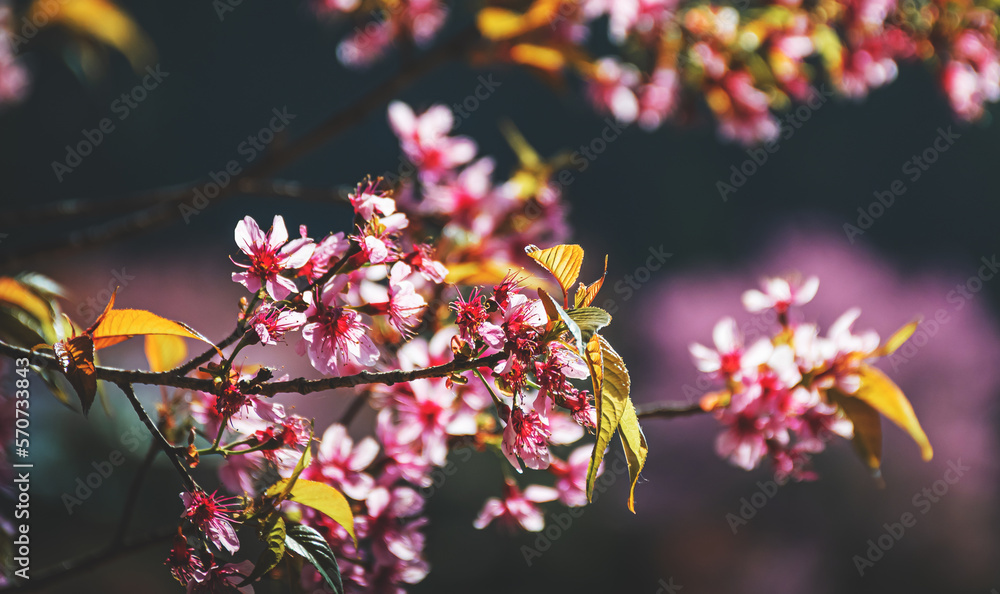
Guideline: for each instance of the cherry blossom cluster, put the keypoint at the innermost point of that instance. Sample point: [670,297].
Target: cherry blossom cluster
[744,61]
[776,401]
[748,61]
[376,298]
[383,23]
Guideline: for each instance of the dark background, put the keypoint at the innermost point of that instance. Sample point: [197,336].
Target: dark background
[645,190]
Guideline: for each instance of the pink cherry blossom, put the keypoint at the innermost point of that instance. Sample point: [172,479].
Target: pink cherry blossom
[328,251]
[780,293]
[271,323]
[571,476]
[270,255]
[335,337]
[342,463]
[405,304]
[525,437]
[222,578]
[425,140]
[516,508]
[611,89]
[212,515]
[183,561]
[729,359]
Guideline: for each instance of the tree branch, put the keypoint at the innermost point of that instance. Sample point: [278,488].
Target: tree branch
[668,410]
[168,449]
[299,385]
[165,203]
[133,494]
[74,567]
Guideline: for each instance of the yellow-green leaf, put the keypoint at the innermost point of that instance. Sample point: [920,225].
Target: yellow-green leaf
[562,261]
[896,340]
[273,534]
[611,400]
[164,351]
[283,487]
[885,396]
[867,429]
[322,498]
[119,325]
[590,320]
[635,446]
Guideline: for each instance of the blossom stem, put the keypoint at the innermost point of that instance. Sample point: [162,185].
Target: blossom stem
[496,399]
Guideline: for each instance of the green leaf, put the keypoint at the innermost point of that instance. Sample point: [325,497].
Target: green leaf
[611,389]
[273,534]
[635,446]
[590,320]
[311,546]
[322,498]
[885,396]
[556,312]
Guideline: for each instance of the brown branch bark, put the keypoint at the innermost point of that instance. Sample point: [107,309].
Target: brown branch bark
[668,410]
[299,385]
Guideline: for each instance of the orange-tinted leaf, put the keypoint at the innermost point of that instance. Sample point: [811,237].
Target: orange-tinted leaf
[119,325]
[164,351]
[538,56]
[714,400]
[562,261]
[585,295]
[885,396]
[100,318]
[896,340]
[15,293]
[499,23]
[76,357]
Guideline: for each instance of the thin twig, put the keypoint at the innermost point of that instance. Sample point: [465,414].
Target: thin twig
[668,410]
[204,357]
[299,385]
[79,207]
[353,409]
[168,449]
[167,205]
[133,493]
[74,567]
